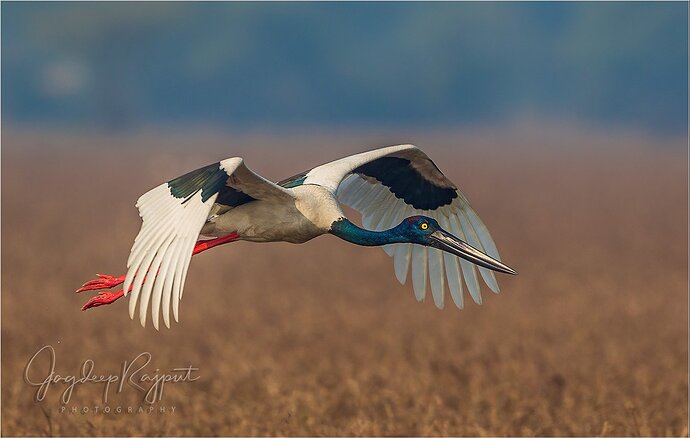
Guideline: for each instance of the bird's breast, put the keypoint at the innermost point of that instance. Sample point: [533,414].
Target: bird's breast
[318,205]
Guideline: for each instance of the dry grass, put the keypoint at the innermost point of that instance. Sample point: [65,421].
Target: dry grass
[320,339]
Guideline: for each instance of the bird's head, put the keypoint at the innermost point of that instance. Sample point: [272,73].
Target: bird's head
[426,231]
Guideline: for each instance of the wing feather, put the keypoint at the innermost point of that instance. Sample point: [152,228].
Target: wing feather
[473,240]
[482,232]
[452,271]
[419,271]
[467,268]
[436,276]
[166,286]
[149,281]
[355,191]
[392,219]
[402,261]
[370,219]
[381,219]
[177,282]
[173,215]
[368,197]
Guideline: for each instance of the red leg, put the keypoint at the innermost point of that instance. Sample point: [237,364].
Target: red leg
[203,245]
[108,281]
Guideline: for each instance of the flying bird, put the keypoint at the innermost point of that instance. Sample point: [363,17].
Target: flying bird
[408,207]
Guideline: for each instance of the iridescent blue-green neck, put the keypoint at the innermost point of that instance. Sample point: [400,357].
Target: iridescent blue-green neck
[346,230]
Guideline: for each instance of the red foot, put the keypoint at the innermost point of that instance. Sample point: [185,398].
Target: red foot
[103,282]
[107,281]
[103,298]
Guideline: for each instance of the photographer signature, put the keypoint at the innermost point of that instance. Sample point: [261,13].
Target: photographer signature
[132,373]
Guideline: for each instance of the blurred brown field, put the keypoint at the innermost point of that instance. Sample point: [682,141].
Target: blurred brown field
[320,339]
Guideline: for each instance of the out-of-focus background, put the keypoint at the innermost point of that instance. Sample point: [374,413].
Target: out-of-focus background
[564,123]
[125,66]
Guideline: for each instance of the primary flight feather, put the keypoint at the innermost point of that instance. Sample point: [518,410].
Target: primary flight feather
[408,207]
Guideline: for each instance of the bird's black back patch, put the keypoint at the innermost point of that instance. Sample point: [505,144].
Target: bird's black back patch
[233,197]
[295,180]
[209,180]
[406,183]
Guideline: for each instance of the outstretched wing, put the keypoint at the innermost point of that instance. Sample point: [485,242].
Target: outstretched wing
[385,186]
[173,214]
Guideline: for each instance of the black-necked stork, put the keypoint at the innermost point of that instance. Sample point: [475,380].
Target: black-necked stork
[408,206]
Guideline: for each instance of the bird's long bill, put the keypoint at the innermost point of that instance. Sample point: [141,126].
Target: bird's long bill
[445,241]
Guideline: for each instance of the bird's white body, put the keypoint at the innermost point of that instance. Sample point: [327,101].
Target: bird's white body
[308,215]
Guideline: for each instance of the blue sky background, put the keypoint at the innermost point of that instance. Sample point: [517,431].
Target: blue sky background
[127,65]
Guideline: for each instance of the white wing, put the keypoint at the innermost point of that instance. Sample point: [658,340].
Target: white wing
[173,214]
[385,186]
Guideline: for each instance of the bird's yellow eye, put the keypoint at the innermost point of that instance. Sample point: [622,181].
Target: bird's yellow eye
[424,226]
